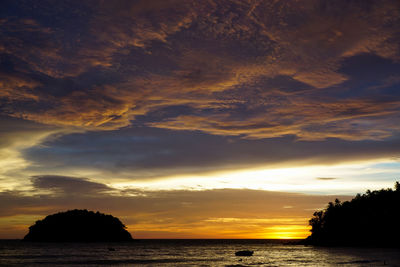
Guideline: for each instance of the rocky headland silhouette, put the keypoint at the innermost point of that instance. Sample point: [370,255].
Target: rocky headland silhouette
[78,226]
[371,219]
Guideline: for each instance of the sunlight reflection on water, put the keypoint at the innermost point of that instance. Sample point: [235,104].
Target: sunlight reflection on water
[190,253]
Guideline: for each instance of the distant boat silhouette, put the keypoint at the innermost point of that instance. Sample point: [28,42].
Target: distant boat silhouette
[78,226]
[244,253]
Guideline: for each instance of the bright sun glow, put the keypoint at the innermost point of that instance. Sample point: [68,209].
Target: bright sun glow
[287,232]
[343,179]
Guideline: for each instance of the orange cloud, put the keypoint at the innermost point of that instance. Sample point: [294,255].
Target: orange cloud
[216,57]
[96,109]
[225,213]
[17,88]
[303,118]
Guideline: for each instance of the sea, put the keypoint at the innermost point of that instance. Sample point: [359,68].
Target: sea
[191,253]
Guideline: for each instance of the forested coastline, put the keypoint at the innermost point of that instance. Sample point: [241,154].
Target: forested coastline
[369,219]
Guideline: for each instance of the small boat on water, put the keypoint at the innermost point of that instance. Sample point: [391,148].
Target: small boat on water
[244,253]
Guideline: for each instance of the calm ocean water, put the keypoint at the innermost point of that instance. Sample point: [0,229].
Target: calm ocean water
[190,253]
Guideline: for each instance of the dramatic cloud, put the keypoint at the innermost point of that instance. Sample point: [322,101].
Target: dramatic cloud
[213,98]
[101,65]
[16,136]
[142,153]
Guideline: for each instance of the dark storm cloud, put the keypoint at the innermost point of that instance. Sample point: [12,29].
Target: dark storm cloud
[261,69]
[146,152]
[68,185]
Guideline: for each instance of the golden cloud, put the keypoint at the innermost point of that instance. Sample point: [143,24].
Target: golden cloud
[225,213]
[209,56]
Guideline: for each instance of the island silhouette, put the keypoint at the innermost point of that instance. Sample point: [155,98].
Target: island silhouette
[370,219]
[78,226]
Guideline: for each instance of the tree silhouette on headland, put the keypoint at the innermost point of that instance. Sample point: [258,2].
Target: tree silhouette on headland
[78,226]
[371,219]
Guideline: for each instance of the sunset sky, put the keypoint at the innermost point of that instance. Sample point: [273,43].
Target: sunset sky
[196,118]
